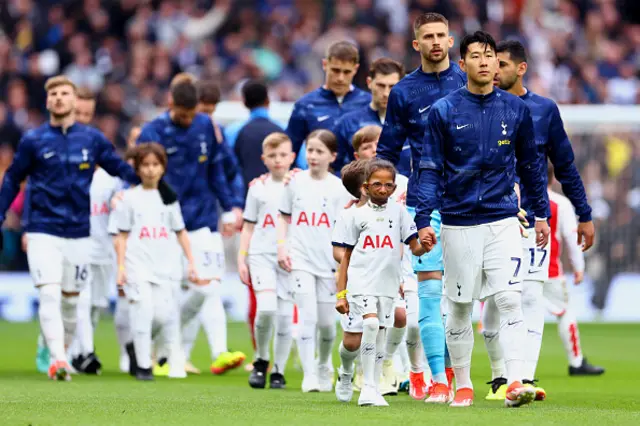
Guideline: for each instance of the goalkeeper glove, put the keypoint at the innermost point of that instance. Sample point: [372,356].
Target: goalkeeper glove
[167,193]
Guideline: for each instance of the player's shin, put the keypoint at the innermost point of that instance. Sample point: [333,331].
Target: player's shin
[69,310]
[513,333]
[431,327]
[381,340]
[283,336]
[193,301]
[84,329]
[533,310]
[50,316]
[347,357]
[123,330]
[370,328]
[189,335]
[326,332]
[141,312]
[214,321]
[491,334]
[459,334]
[306,339]
[264,325]
[570,336]
[395,336]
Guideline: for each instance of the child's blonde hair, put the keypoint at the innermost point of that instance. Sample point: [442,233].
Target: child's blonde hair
[274,140]
[367,134]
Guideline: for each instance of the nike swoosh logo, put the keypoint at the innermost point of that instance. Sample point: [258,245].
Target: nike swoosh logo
[514,323]
[172,150]
[532,271]
[323,118]
[49,155]
[421,110]
[514,282]
[462,127]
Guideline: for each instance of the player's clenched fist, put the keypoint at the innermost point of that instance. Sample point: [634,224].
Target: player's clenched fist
[284,260]
[342,306]
[586,234]
[428,238]
[542,233]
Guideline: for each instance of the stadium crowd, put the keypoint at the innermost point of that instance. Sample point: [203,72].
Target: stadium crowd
[127,51]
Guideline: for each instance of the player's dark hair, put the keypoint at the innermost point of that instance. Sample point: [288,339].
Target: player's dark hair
[208,92]
[327,138]
[428,18]
[367,134]
[376,164]
[482,37]
[352,176]
[141,151]
[386,66]
[514,48]
[184,94]
[343,51]
[255,94]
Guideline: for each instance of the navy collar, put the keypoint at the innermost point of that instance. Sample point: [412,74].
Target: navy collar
[479,98]
[71,128]
[438,74]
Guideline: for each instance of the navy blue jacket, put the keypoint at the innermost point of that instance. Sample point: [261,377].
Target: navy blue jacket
[472,146]
[553,143]
[347,126]
[194,170]
[319,109]
[60,167]
[407,111]
[232,171]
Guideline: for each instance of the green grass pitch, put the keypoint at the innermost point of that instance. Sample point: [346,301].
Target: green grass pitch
[29,398]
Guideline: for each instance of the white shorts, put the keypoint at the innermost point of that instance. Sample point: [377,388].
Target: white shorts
[266,275]
[411,303]
[409,278]
[102,280]
[482,260]
[382,307]
[352,322]
[57,260]
[556,295]
[208,254]
[305,283]
[535,260]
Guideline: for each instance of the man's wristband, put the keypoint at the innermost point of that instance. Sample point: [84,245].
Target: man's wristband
[341,295]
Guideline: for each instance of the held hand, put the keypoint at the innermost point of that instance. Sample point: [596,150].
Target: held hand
[427,238]
[237,211]
[542,233]
[192,274]
[578,277]
[243,270]
[227,229]
[290,174]
[586,233]
[284,260]
[117,197]
[260,178]
[342,306]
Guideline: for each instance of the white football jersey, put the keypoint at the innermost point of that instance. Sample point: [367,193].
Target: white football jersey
[408,275]
[340,227]
[378,235]
[103,187]
[402,182]
[313,206]
[152,252]
[261,209]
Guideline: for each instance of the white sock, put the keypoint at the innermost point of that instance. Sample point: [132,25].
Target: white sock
[533,308]
[84,329]
[513,333]
[169,342]
[395,336]
[491,334]
[214,322]
[347,358]
[307,328]
[95,316]
[326,332]
[264,326]
[192,302]
[69,311]
[401,360]
[370,328]
[570,336]
[50,316]
[459,334]
[189,335]
[283,337]
[414,349]
[121,319]
[141,312]
[381,340]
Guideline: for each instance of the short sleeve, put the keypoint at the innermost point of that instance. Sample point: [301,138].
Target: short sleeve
[112,226]
[175,214]
[123,214]
[351,232]
[250,213]
[408,229]
[286,204]
[337,236]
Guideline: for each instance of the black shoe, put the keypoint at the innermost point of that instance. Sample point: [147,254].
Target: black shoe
[496,383]
[144,374]
[258,377]
[586,369]
[77,362]
[91,364]
[277,381]
[133,365]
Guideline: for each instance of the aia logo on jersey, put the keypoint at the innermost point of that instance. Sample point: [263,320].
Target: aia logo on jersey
[99,209]
[313,219]
[268,221]
[153,232]
[377,242]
